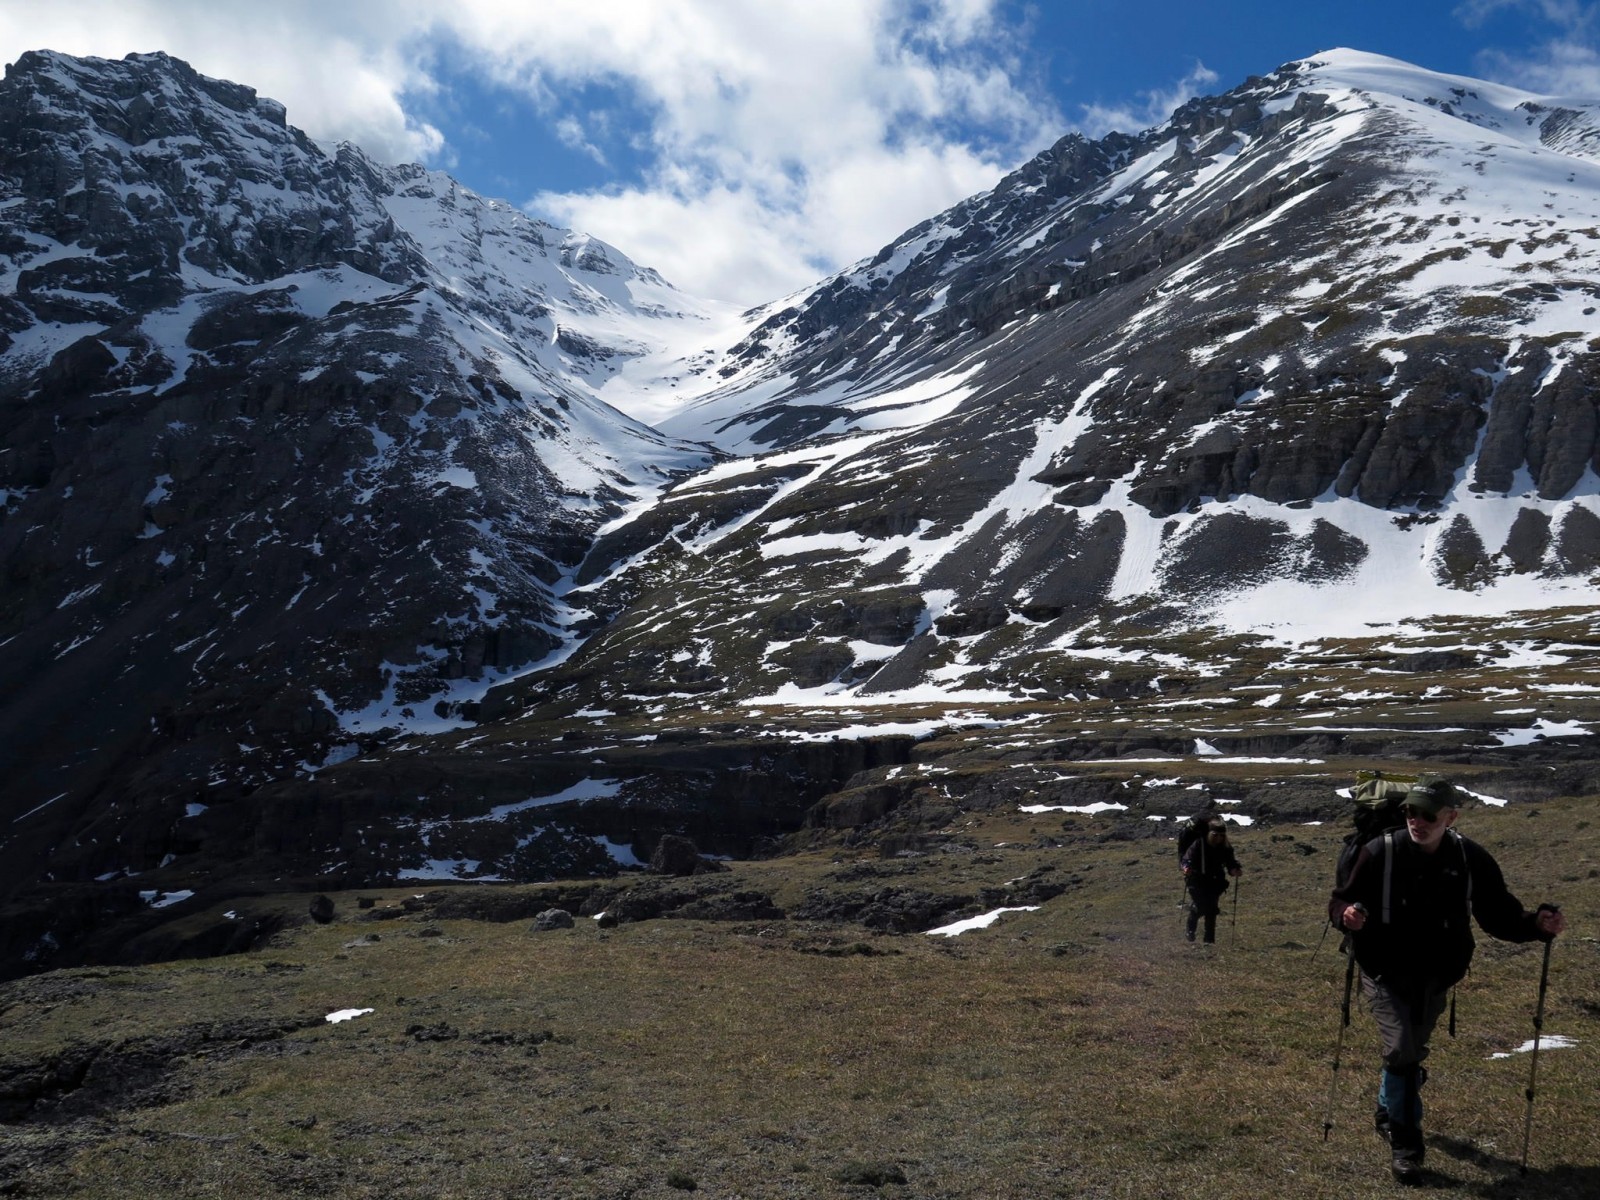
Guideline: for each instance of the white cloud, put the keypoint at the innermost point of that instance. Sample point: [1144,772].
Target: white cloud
[1153,109]
[786,138]
[571,132]
[715,234]
[342,69]
[760,246]
[1566,64]
[779,140]
[1565,13]
[1559,69]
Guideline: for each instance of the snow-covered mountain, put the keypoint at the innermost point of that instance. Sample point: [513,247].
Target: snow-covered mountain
[1309,367]
[304,453]
[1085,218]
[1313,354]
[298,448]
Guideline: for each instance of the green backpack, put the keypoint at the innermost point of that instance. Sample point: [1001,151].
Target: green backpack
[1380,810]
[1380,806]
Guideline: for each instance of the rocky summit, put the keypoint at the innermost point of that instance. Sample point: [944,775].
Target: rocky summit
[358,528]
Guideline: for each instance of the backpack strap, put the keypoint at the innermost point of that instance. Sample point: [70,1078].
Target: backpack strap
[1388,872]
[1466,866]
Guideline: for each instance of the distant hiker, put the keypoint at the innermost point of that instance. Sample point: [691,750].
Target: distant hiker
[1408,904]
[1207,863]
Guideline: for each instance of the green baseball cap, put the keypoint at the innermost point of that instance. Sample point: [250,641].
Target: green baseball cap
[1430,793]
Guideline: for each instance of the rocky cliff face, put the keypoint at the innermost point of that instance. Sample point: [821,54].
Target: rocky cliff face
[298,449]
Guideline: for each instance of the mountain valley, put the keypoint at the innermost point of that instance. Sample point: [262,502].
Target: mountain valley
[360,531]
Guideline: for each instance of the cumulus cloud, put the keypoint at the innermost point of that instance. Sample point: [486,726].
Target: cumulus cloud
[343,70]
[784,139]
[770,142]
[788,140]
[753,147]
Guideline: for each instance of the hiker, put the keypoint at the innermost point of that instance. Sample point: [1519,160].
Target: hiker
[1406,905]
[1207,863]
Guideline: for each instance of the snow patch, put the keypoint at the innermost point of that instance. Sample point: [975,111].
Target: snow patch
[982,922]
[1553,1041]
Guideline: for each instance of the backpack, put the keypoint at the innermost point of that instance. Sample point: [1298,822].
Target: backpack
[1190,832]
[1380,812]
[1380,802]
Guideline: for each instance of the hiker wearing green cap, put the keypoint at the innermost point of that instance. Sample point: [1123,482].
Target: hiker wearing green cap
[1408,905]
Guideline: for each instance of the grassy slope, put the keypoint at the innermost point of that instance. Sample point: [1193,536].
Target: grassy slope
[1082,1050]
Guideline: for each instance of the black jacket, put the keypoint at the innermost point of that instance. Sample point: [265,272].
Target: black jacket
[1427,940]
[1206,867]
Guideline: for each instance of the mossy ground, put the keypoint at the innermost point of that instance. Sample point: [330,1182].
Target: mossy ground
[1080,1050]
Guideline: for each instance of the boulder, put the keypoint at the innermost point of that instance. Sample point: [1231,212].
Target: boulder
[552,918]
[675,855]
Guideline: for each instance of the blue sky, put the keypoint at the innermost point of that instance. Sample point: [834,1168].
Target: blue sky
[746,148]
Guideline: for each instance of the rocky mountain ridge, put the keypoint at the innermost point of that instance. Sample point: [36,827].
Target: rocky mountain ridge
[1163,447]
[1273,360]
[299,448]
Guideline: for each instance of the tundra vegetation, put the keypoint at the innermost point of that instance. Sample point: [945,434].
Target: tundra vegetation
[1076,1047]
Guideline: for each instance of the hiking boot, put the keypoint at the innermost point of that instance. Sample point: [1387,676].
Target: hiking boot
[1406,1170]
[1408,1153]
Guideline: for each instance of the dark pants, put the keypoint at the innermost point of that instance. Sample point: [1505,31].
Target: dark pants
[1405,1023]
[1204,903]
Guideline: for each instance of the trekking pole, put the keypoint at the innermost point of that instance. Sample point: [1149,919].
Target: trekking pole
[1533,1070]
[1233,922]
[1183,904]
[1344,1023]
[1326,925]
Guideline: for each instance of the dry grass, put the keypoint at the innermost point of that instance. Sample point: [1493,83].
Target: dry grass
[1082,1050]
